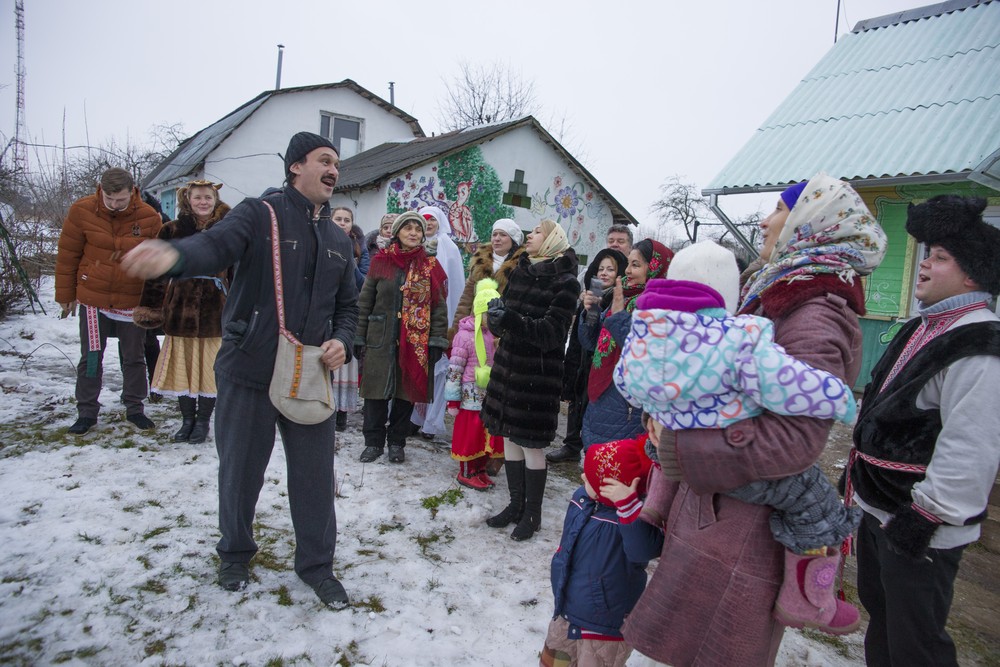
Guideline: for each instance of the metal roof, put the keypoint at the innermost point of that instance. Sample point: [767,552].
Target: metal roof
[907,95]
[189,157]
[369,169]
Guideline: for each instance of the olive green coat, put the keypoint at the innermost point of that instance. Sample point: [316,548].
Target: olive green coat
[380,305]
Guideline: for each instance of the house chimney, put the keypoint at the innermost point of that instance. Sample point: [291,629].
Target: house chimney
[392,93]
[277,78]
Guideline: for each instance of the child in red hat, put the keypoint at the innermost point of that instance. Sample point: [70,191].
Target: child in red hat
[599,570]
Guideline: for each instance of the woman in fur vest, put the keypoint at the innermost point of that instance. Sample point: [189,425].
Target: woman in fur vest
[190,312]
[496,260]
[522,399]
[403,327]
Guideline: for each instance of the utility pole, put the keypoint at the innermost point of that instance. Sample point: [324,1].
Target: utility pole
[20,134]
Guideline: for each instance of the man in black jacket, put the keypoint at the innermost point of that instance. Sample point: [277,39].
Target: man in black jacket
[320,297]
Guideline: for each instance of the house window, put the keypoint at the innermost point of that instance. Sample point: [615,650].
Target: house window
[344,132]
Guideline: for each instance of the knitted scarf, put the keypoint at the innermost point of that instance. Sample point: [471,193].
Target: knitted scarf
[423,289]
[829,231]
[608,351]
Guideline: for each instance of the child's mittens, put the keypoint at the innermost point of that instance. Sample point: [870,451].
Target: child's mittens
[625,498]
[453,408]
[628,508]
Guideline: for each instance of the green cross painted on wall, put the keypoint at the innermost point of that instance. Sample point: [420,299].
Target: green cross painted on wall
[517,191]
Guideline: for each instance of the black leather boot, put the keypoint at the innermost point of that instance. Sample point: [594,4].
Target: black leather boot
[188,406]
[534,491]
[515,483]
[200,431]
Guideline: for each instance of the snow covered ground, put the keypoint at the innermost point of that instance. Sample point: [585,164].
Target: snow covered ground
[107,545]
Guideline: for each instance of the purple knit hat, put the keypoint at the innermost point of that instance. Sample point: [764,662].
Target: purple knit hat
[791,195]
[682,295]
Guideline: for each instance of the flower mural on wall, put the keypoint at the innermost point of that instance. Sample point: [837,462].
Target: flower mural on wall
[463,185]
[571,205]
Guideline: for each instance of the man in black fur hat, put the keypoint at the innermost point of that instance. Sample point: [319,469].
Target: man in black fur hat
[927,439]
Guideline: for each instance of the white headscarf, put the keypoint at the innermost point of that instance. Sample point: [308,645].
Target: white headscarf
[449,257]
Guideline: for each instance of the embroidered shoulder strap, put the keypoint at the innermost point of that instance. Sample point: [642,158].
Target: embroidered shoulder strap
[279,293]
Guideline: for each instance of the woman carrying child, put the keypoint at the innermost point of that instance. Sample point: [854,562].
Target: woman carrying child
[715,603]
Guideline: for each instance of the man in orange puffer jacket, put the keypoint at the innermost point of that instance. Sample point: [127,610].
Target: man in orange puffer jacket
[98,231]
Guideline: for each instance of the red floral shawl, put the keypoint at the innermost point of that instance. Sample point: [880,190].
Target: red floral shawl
[423,290]
[607,353]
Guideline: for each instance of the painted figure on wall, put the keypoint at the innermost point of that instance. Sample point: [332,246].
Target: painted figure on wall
[460,215]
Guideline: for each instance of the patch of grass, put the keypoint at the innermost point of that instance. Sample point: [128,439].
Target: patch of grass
[67,612]
[434,503]
[14,580]
[155,532]
[154,586]
[371,552]
[284,599]
[350,656]
[155,647]
[275,662]
[77,654]
[32,509]
[433,584]
[425,542]
[146,565]
[91,540]
[127,443]
[451,609]
[384,528]
[527,604]
[372,603]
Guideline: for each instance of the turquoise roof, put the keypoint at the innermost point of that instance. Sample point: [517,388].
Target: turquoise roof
[914,94]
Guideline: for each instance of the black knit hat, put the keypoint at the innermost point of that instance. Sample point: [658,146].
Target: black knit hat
[956,224]
[300,145]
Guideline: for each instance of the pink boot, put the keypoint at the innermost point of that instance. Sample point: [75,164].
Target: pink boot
[807,598]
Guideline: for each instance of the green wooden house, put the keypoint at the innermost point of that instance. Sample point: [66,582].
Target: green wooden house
[905,107]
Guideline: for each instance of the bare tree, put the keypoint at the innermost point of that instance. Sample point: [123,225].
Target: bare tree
[681,207]
[482,94]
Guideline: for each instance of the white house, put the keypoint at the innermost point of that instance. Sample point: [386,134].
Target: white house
[513,169]
[244,149]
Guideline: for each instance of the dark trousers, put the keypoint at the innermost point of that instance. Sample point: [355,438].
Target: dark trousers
[131,341]
[908,601]
[376,412]
[245,422]
[151,351]
[574,422]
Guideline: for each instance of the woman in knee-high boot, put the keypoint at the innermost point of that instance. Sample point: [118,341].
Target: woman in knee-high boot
[532,321]
[190,312]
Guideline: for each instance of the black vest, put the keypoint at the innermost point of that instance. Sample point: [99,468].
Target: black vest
[891,427]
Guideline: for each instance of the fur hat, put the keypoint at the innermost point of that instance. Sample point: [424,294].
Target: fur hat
[486,291]
[300,145]
[710,264]
[510,228]
[623,460]
[956,224]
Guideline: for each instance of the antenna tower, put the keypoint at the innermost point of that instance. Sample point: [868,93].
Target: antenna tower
[20,134]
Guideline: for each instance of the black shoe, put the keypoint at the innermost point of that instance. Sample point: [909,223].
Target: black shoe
[426,436]
[564,454]
[199,433]
[141,421]
[82,425]
[188,406]
[396,454]
[154,397]
[234,576]
[341,421]
[331,593]
[371,453]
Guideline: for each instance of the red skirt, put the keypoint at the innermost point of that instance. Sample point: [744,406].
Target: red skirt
[469,439]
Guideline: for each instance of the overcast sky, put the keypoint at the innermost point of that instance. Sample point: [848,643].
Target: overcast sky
[648,89]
